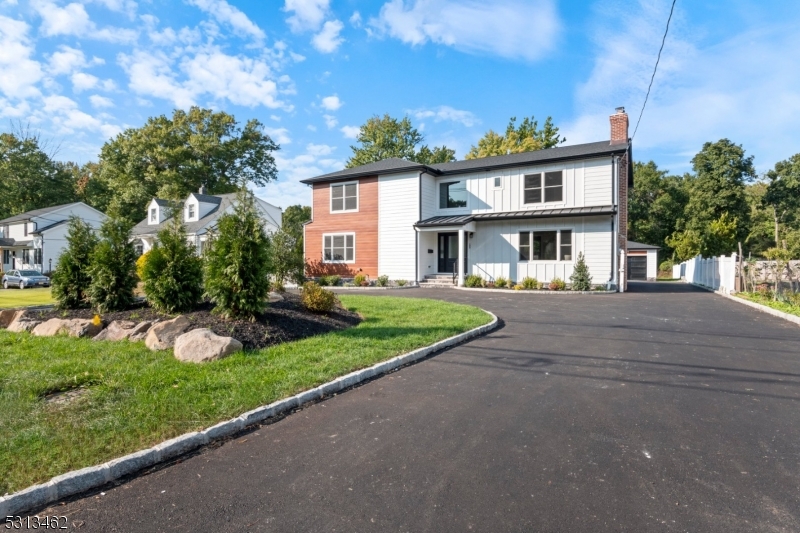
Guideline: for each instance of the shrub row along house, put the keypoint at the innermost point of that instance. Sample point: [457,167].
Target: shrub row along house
[200,214]
[514,216]
[34,240]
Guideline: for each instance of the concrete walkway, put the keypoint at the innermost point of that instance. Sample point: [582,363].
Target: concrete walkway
[664,409]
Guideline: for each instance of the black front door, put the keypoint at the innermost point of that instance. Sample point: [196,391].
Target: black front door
[448,252]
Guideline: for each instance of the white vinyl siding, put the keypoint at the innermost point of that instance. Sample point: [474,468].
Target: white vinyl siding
[398,211]
[598,186]
[494,249]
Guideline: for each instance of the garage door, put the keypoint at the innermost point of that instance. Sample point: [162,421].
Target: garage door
[637,267]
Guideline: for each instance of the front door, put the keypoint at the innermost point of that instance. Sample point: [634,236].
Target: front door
[448,252]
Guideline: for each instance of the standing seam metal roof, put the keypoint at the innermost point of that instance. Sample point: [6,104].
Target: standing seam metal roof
[453,220]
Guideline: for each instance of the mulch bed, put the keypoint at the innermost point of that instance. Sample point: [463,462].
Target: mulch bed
[282,321]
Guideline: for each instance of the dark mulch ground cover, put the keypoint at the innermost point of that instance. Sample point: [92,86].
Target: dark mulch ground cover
[282,321]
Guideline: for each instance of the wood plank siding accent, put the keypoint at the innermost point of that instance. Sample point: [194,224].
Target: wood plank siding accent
[363,223]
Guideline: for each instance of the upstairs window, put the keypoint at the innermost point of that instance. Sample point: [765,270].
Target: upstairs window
[452,194]
[339,248]
[153,215]
[344,197]
[191,211]
[542,188]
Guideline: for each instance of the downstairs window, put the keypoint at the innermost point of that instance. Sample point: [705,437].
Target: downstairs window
[339,248]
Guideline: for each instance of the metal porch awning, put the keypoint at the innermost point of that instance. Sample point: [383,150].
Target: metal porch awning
[459,220]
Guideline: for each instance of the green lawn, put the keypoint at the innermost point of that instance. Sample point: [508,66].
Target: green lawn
[10,298]
[137,398]
[769,302]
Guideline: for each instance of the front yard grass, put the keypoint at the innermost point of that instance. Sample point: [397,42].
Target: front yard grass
[10,298]
[135,398]
[769,302]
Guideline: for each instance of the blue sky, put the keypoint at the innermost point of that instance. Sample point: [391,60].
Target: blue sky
[312,71]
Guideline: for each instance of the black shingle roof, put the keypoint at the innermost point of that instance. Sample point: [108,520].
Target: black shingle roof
[457,220]
[640,246]
[559,153]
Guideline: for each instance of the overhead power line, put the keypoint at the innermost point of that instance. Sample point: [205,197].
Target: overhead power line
[663,40]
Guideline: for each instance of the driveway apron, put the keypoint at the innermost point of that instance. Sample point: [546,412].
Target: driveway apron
[666,408]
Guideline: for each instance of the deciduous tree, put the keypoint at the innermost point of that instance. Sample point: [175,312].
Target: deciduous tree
[526,137]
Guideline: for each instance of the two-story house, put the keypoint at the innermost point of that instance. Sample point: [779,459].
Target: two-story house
[200,214]
[34,240]
[518,215]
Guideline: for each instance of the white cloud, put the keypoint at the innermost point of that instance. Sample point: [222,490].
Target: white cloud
[72,19]
[19,73]
[350,132]
[66,60]
[355,19]
[330,121]
[279,135]
[225,13]
[328,40]
[307,15]
[447,113]
[288,190]
[82,81]
[332,103]
[700,93]
[209,72]
[319,149]
[507,28]
[121,6]
[65,115]
[100,102]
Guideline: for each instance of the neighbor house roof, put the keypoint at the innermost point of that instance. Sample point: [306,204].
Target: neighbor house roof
[559,153]
[27,215]
[639,246]
[6,242]
[458,220]
[207,198]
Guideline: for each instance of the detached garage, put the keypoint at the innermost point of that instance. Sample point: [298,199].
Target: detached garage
[642,261]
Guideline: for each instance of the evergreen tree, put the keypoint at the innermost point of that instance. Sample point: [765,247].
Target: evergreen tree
[113,268]
[237,264]
[580,278]
[71,278]
[173,273]
[286,262]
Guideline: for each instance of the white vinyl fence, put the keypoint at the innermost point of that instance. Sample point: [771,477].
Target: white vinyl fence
[716,273]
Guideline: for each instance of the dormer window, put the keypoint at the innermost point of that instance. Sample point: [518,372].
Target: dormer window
[153,215]
[191,212]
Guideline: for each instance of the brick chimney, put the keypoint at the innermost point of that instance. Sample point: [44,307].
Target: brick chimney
[619,126]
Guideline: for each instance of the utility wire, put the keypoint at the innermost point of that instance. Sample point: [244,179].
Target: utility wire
[663,40]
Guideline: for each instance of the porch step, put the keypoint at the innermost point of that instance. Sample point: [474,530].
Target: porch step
[437,281]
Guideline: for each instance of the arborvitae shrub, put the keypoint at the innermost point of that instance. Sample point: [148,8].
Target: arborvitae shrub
[71,278]
[173,273]
[113,268]
[237,263]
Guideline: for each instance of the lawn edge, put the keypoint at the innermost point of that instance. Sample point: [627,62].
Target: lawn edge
[763,308]
[84,479]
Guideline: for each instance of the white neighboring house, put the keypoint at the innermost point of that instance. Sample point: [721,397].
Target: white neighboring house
[200,213]
[35,240]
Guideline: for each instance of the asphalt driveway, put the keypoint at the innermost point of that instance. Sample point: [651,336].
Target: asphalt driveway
[664,409]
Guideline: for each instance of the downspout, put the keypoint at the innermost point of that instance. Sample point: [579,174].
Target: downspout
[615,221]
[416,232]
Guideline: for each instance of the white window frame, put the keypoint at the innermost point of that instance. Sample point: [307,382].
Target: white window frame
[153,215]
[191,211]
[543,187]
[343,184]
[339,234]
[558,231]
[494,182]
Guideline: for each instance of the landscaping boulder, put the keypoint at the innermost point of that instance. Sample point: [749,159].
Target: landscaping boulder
[162,336]
[275,297]
[139,332]
[7,316]
[76,327]
[22,323]
[202,345]
[116,331]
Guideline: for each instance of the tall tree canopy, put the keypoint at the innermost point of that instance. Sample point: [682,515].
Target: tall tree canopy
[655,205]
[721,173]
[526,137]
[171,157]
[386,137]
[293,219]
[783,195]
[29,177]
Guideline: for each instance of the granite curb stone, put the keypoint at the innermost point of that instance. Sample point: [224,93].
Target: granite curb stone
[78,481]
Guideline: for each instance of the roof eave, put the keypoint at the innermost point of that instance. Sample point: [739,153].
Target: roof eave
[418,168]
